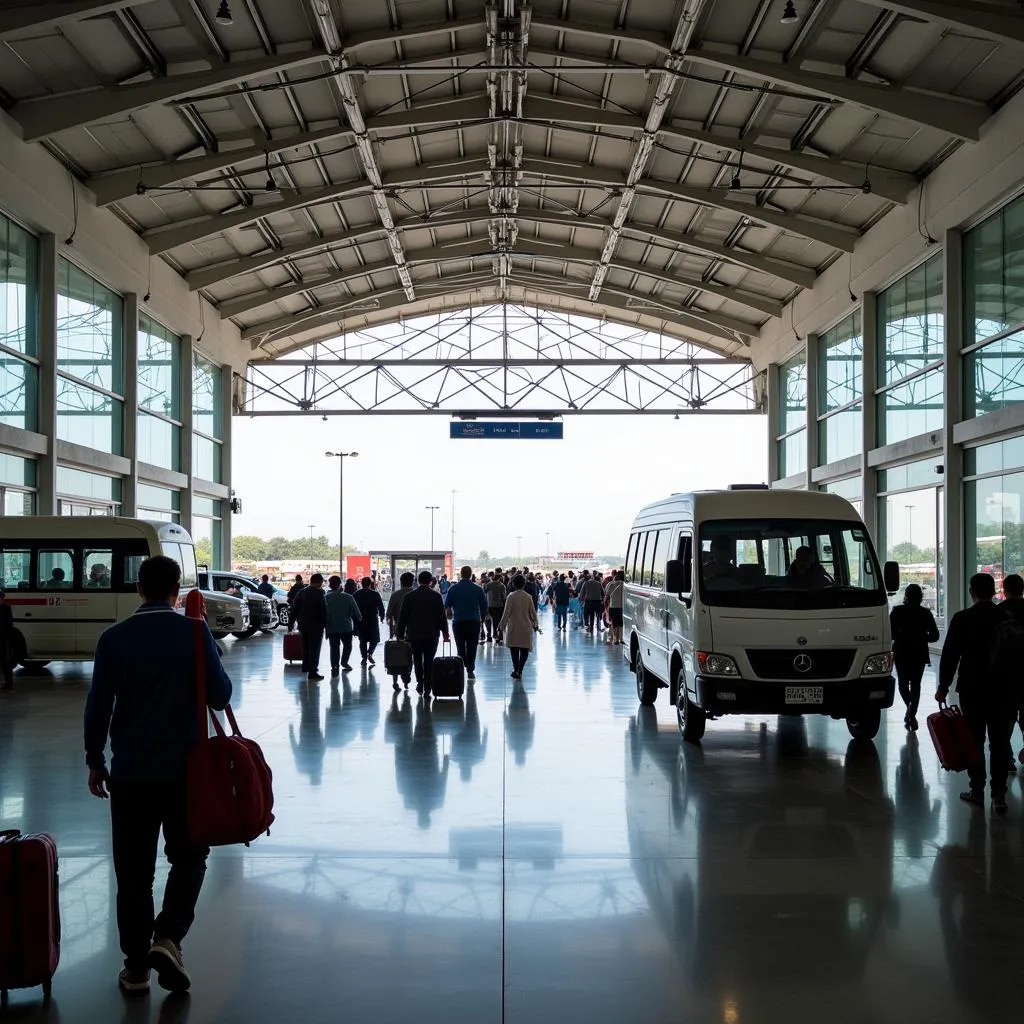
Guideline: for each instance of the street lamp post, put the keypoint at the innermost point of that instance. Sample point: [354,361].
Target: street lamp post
[341,457]
[312,527]
[453,526]
[432,509]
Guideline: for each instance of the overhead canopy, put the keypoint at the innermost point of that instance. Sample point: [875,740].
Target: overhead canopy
[318,166]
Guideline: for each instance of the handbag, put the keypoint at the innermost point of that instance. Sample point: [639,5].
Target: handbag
[229,783]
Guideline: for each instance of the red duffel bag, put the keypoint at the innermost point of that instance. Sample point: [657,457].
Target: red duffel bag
[230,785]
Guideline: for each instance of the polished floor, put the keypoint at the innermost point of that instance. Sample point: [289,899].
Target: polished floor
[544,853]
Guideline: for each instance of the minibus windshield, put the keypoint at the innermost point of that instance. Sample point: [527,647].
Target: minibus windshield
[788,563]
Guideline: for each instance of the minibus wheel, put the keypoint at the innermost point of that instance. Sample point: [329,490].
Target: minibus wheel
[646,684]
[865,724]
[692,719]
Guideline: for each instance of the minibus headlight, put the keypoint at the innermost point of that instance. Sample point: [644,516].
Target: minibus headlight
[716,664]
[877,664]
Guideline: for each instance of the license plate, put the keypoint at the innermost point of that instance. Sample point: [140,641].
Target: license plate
[805,695]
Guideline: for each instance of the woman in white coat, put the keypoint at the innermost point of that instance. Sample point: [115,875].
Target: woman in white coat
[519,623]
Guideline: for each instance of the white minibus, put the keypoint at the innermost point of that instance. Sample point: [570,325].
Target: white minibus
[757,601]
[68,578]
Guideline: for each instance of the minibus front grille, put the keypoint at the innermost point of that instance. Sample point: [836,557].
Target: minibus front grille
[793,664]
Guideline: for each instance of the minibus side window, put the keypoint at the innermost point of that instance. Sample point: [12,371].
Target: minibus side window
[96,568]
[55,569]
[130,555]
[659,558]
[686,557]
[15,568]
[643,562]
[630,557]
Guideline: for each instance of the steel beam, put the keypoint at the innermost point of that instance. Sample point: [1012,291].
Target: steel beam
[1001,24]
[322,363]
[960,118]
[43,117]
[38,16]
[661,44]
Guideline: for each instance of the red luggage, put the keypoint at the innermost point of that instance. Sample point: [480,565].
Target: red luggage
[29,912]
[230,785]
[954,742]
[292,647]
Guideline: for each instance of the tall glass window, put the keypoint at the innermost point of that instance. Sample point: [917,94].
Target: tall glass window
[17,485]
[840,391]
[159,503]
[208,420]
[994,320]
[81,493]
[159,431]
[19,334]
[911,340]
[206,520]
[848,488]
[791,430]
[994,508]
[90,364]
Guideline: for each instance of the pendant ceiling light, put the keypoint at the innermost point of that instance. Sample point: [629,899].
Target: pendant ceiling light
[789,15]
[224,16]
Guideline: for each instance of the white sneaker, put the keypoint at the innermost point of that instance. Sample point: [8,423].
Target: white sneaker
[133,981]
[165,958]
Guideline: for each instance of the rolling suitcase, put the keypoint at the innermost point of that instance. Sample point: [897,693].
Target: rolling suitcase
[292,647]
[397,657]
[29,912]
[954,742]
[448,675]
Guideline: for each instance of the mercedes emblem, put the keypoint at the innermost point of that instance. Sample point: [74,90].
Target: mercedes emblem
[802,663]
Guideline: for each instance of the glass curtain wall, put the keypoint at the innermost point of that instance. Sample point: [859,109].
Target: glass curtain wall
[159,503]
[910,527]
[791,430]
[17,485]
[206,534]
[80,493]
[19,335]
[840,391]
[911,339]
[849,488]
[208,420]
[994,509]
[90,365]
[994,314]
[159,395]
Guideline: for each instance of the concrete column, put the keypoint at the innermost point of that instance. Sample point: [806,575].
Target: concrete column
[187,419]
[130,430]
[811,349]
[869,370]
[227,388]
[46,480]
[774,420]
[952,455]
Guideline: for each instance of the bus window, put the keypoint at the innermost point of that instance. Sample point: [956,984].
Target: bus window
[630,557]
[185,556]
[14,568]
[56,569]
[659,558]
[96,568]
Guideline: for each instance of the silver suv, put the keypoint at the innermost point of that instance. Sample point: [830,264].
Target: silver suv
[262,611]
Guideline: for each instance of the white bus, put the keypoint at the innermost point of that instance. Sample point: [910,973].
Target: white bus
[752,601]
[68,578]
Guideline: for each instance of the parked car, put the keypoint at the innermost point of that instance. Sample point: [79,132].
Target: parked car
[226,614]
[280,599]
[262,611]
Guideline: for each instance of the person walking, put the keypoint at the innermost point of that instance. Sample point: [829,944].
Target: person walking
[613,597]
[342,615]
[984,694]
[497,593]
[913,629]
[143,696]
[309,616]
[406,581]
[6,644]
[467,605]
[266,588]
[297,587]
[422,621]
[520,621]
[561,594]
[371,608]
[592,596]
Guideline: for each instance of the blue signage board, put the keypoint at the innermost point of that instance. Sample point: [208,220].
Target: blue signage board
[481,430]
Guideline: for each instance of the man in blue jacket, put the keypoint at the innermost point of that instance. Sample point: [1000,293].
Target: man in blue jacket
[143,695]
[467,604]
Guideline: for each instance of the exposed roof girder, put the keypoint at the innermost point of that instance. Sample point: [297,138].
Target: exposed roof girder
[978,19]
[662,44]
[46,15]
[403,35]
[960,118]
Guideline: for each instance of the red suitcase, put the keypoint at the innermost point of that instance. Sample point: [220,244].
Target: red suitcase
[292,647]
[954,742]
[29,912]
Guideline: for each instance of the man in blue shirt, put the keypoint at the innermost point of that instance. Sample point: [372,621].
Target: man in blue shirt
[143,695]
[467,605]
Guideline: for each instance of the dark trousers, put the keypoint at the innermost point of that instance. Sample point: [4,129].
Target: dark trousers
[341,649]
[908,676]
[467,639]
[138,810]
[423,654]
[561,616]
[493,618]
[996,719]
[519,656]
[592,614]
[312,642]
[367,645]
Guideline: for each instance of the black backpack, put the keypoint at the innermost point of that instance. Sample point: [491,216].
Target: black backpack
[1007,656]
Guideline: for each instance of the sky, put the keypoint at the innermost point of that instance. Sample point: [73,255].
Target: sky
[582,491]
